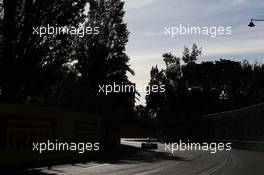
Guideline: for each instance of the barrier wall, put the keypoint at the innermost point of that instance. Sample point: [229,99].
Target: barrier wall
[242,124]
[21,125]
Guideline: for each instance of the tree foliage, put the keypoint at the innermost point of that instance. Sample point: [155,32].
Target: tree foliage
[191,57]
[31,64]
[56,69]
[102,57]
[207,87]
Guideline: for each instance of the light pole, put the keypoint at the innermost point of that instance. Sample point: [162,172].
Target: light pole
[251,24]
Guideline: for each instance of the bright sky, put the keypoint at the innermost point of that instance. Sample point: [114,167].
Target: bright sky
[146,20]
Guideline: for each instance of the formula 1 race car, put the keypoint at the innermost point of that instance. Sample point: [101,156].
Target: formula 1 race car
[149,145]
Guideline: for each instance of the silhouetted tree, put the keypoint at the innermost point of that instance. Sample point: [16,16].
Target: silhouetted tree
[155,100]
[191,57]
[1,30]
[141,112]
[101,58]
[32,64]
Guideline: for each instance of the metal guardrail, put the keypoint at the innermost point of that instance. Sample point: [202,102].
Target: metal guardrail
[225,113]
[241,124]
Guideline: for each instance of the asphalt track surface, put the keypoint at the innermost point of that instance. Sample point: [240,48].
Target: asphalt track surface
[161,162]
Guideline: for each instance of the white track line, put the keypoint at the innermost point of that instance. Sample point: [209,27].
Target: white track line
[156,170]
[211,170]
[96,166]
[71,168]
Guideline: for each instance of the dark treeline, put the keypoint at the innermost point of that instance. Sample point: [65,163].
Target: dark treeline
[194,88]
[62,70]
[65,70]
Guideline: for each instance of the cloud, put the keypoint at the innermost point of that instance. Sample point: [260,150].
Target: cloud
[136,4]
[152,34]
[237,2]
[236,47]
